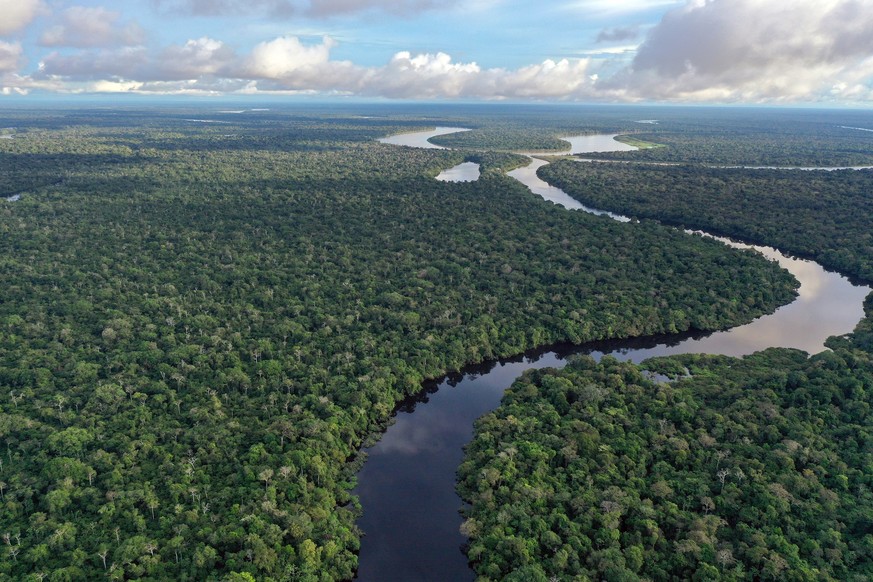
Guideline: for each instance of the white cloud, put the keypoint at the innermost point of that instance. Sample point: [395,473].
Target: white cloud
[16,14]
[85,27]
[286,64]
[125,63]
[10,56]
[279,58]
[196,58]
[611,51]
[422,76]
[564,79]
[754,50]
[13,90]
[707,50]
[428,76]
[113,86]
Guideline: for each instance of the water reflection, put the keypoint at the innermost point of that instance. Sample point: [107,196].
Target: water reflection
[804,168]
[586,144]
[465,172]
[827,303]
[407,485]
[420,139]
[579,144]
[528,176]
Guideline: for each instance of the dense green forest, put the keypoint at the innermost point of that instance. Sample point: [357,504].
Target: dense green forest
[754,137]
[773,137]
[204,315]
[740,469]
[827,216]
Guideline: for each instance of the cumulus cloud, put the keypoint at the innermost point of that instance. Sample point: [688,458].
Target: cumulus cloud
[128,62]
[754,50]
[205,64]
[434,76]
[422,76]
[10,56]
[17,14]
[707,50]
[564,79]
[196,58]
[287,64]
[84,27]
[279,58]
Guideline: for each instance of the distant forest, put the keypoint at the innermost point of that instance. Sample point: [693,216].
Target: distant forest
[736,469]
[204,315]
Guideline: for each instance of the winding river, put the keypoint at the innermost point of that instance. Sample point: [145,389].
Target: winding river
[407,485]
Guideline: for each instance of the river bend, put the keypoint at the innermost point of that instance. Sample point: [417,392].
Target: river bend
[407,485]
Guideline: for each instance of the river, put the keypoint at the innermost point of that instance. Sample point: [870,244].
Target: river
[407,485]
[420,139]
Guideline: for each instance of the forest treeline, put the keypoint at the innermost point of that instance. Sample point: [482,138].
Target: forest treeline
[756,137]
[824,215]
[737,469]
[740,469]
[201,322]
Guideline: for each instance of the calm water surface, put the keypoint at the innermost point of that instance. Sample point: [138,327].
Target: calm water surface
[407,486]
[464,172]
[419,139]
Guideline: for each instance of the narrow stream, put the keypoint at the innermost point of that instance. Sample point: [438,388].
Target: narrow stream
[407,485]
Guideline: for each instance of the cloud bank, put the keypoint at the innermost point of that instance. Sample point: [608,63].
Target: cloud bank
[83,27]
[10,56]
[702,51]
[755,50]
[16,14]
[286,64]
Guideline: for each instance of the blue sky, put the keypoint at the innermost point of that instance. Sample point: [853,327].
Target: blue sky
[685,51]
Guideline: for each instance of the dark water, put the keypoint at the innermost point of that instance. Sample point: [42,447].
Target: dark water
[407,486]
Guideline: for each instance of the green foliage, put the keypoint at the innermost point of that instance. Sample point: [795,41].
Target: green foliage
[754,137]
[200,324]
[739,469]
[750,468]
[827,216]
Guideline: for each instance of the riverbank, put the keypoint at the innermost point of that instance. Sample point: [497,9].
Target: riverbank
[409,477]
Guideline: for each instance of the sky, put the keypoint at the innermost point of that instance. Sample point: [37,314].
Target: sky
[611,51]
